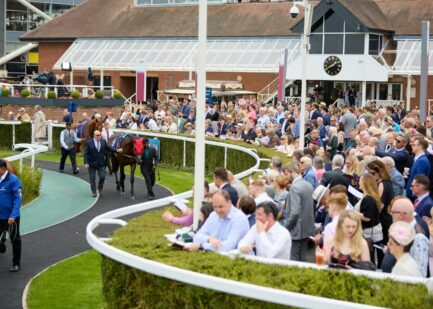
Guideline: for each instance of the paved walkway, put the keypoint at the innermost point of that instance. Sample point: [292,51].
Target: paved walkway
[50,245]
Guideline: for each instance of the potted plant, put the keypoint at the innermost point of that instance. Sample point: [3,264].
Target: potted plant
[75,94]
[99,94]
[25,93]
[51,94]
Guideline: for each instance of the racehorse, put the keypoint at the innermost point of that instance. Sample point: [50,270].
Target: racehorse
[85,131]
[11,168]
[130,155]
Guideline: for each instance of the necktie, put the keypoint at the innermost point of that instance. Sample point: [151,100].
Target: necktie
[415,204]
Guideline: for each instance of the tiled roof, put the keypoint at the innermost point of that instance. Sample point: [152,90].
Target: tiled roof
[118,18]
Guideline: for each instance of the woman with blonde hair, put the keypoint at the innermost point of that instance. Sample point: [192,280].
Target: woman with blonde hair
[333,141]
[347,245]
[351,167]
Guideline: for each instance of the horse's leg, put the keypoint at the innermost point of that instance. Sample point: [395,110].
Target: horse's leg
[133,166]
[122,177]
[115,166]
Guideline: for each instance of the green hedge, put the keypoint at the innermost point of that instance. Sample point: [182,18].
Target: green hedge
[171,150]
[23,134]
[31,181]
[125,287]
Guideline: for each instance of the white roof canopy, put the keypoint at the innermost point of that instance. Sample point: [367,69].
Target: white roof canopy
[223,55]
[408,57]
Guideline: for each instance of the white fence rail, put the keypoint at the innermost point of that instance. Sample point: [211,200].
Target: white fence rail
[223,285]
[41,90]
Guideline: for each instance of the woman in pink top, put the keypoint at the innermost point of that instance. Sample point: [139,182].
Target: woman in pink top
[252,114]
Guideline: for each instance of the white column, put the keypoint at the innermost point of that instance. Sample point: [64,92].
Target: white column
[101,80]
[308,8]
[408,91]
[364,92]
[199,167]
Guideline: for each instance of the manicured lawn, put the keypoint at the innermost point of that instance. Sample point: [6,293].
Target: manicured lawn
[74,283]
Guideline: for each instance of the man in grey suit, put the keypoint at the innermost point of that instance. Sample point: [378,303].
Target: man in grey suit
[299,212]
[349,121]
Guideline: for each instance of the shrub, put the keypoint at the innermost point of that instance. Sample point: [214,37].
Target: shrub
[125,287]
[117,95]
[25,93]
[6,92]
[75,94]
[31,181]
[99,94]
[51,94]
[23,134]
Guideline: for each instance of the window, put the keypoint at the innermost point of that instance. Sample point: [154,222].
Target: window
[396,91]
[330,35]
[374,44]
[354,44]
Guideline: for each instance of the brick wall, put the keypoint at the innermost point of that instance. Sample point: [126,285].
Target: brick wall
[56,113]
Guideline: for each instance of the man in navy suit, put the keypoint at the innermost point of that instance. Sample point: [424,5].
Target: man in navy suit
[95,152]
[222,126]
[284,122]
[421,190]
[398,152]
[221,181]
[421,164]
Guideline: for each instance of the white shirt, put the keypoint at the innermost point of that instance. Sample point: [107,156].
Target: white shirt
[406,266]
[104,134]
[153,126]
[330,228]
[3,177]
[276,243]
[263,198]
[74,137]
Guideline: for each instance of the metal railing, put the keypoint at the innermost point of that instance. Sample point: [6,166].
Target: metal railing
[210,282]
[41,91]
[383,103]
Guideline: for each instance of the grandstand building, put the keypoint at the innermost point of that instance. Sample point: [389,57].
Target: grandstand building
[371,45]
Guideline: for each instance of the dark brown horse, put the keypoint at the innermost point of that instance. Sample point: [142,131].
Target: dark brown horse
[126,158]
[92,126]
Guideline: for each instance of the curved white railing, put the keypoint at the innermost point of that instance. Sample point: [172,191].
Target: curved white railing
[223,285]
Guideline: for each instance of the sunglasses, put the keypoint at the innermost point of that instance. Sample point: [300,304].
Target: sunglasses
[97,134]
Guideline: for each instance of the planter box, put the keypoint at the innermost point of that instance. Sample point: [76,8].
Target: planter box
[60,102]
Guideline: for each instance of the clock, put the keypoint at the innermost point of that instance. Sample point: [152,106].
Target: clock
[332,65]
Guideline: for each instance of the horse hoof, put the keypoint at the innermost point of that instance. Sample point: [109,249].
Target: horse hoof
[118,189]
[133,198]
[122,193]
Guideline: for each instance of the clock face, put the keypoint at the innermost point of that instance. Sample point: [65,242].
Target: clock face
[332,65]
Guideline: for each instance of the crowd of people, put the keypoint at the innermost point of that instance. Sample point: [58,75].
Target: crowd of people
[360,190]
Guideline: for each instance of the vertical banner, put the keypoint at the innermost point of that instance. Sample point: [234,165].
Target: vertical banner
[282,75]
[425,31]
[140,82]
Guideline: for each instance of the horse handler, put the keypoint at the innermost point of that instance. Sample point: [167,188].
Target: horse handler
[148,164]
[67,139]
[10,203]
[95,154]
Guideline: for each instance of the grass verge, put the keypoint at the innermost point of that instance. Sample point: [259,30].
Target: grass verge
[73,283]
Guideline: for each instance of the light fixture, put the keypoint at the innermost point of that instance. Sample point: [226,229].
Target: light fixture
[66,66]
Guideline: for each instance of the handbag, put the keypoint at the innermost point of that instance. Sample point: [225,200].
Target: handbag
[365,265]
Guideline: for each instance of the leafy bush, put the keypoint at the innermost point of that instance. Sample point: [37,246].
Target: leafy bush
[31,181]
[51,94]
[25,93]
[117,95]
[23,134]
[75,94]
[125,287]
[6,92]
[99,94]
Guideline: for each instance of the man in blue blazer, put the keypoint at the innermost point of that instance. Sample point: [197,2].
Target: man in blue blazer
[421,190]
[95,153]
[398,152]
[421,164]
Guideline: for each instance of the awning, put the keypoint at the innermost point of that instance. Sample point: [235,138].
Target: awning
[223,55]
[408,57]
